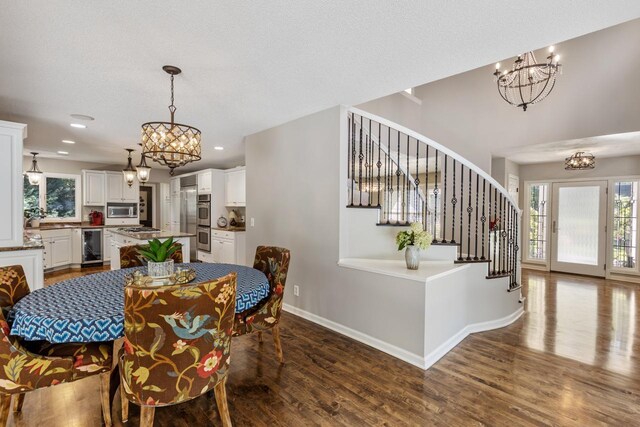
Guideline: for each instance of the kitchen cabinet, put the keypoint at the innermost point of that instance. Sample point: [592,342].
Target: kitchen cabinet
[58,248]
[119,191]
[32,263]
[227,247]
[76,246]
[93,188]
[235,187]
[11,137]
[204,182]
[106,245]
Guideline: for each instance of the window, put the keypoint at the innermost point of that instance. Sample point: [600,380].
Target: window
[58,194]
[625,218]
[538,197]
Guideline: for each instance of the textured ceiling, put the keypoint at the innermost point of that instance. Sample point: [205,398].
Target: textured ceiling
[248,66]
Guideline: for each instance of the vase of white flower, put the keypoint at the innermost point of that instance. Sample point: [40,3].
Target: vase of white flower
[412,241]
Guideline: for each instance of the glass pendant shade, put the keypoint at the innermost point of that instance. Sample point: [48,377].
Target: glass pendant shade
[143,171]
[34,174]
[129,172]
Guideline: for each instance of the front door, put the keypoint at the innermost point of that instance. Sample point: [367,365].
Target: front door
[578,227]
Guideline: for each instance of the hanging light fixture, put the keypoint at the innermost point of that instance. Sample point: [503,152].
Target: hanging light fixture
[34,174]
[169,143]
[580,161]
[528,82]
[143,171]
[129,172]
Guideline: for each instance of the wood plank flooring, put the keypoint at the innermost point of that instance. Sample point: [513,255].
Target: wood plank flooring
[572,359]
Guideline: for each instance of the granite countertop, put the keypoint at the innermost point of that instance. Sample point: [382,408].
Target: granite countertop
[63,225]
[234,229]
[31,241]
[148,235]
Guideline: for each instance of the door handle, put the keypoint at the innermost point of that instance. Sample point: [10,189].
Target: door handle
[553,227]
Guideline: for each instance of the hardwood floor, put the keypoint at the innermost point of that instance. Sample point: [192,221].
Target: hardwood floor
[572,359]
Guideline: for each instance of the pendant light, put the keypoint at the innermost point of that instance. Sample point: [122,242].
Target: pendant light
[129,172]
[34,174]
[143,171]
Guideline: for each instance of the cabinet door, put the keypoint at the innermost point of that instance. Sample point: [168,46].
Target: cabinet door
[227,252]
[46,254]
[94,188]
[114,187]
[235,188]
[131,194]
[106,251]
[204,182]
[60,251]
[216,249]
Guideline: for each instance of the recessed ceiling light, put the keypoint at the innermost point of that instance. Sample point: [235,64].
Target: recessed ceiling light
[68,141]
[82,117]
[64,153]
[218,148]
[78,125]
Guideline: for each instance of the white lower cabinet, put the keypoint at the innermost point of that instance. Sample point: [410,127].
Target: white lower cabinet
[106,245]
[227,247]
[31,262]
[58,248]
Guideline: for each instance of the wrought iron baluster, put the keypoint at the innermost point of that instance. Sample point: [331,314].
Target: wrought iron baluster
[503,234]
[475,253]
[461,207]
[443,229]
[426,190]
[407,205]
[360,159]
[389,178]
[416,196]
[398,181]
[379,163]
[495,229]
[453,204]
[516,250]
[469,211]
[435,199]
[483,218]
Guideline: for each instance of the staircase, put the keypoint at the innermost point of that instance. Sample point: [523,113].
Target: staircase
[409,178]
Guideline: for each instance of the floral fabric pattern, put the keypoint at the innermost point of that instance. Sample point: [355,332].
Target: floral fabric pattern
[129,256]
[22,368]
[274,263]
[177,340]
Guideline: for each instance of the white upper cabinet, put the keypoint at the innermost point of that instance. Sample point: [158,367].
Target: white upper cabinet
[11,191]
[235,187]
[93,188]
[204,182]
[119,191]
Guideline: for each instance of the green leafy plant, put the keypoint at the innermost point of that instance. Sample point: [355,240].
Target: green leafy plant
[416,235]
[157,251]
[35,212]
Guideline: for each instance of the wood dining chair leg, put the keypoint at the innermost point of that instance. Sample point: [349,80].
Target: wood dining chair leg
[276,341]
[221,400]
[5,408]
[105,379]
[260,337]
[146,416]
[124,402]
[17,402]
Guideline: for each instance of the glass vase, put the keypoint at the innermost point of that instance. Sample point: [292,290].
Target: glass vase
[412,257]
[160,270]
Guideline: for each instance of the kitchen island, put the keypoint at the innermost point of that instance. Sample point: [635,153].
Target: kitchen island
[141,236]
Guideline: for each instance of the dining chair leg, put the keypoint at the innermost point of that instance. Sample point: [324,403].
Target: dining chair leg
[124,402]
[17,402]
[259,337]
[221,400]
[5,407]
[146,416]
[276,341]
[105,379]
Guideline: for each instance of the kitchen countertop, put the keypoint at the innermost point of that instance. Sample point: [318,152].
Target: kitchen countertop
[148,235]
[63,225]
[234,229]
[31,241]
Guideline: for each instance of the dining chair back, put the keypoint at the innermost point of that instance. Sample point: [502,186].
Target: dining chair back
[274,263]
[34,365]
[177,344]
[129,256]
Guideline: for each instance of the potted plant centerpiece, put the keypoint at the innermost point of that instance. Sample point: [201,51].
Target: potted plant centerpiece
[33,216]
[412,240]
[158,256]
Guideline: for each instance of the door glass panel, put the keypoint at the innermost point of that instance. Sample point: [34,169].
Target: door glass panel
[625,217]
[578,218]
[538,221]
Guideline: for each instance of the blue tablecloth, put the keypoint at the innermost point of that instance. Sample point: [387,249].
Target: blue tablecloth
[91,308]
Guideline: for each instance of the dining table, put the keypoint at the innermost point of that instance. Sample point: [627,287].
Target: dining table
[91,308]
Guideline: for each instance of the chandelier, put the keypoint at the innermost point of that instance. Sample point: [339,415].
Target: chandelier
[528,82]
[580,161]
[169,143]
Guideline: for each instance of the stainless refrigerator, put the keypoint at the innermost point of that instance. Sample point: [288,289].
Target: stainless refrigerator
[188,213]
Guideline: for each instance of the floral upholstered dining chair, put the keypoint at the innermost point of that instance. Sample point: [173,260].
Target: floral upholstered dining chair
[177,345]
[274,263]
[129,256]
[27,366]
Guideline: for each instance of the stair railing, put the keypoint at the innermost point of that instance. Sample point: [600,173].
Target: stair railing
[410,178]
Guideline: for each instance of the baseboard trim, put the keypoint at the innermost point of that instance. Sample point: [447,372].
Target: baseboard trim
[407,356]
[473,328]
[402,354]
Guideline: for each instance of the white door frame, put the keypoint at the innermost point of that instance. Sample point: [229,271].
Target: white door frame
[575,268]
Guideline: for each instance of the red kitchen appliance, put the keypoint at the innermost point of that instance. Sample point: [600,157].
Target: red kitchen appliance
[96,218]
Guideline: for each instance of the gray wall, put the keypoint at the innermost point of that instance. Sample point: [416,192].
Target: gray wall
[293,208]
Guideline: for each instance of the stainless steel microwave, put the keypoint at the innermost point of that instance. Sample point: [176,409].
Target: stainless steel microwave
[122,210]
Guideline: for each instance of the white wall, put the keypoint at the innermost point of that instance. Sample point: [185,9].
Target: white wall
[295,209]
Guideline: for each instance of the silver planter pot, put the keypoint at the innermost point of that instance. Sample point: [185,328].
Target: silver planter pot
[160,270]
[412,257]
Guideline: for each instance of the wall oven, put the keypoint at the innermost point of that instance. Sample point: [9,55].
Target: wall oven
[203,237]
[204,210]
[122,210]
